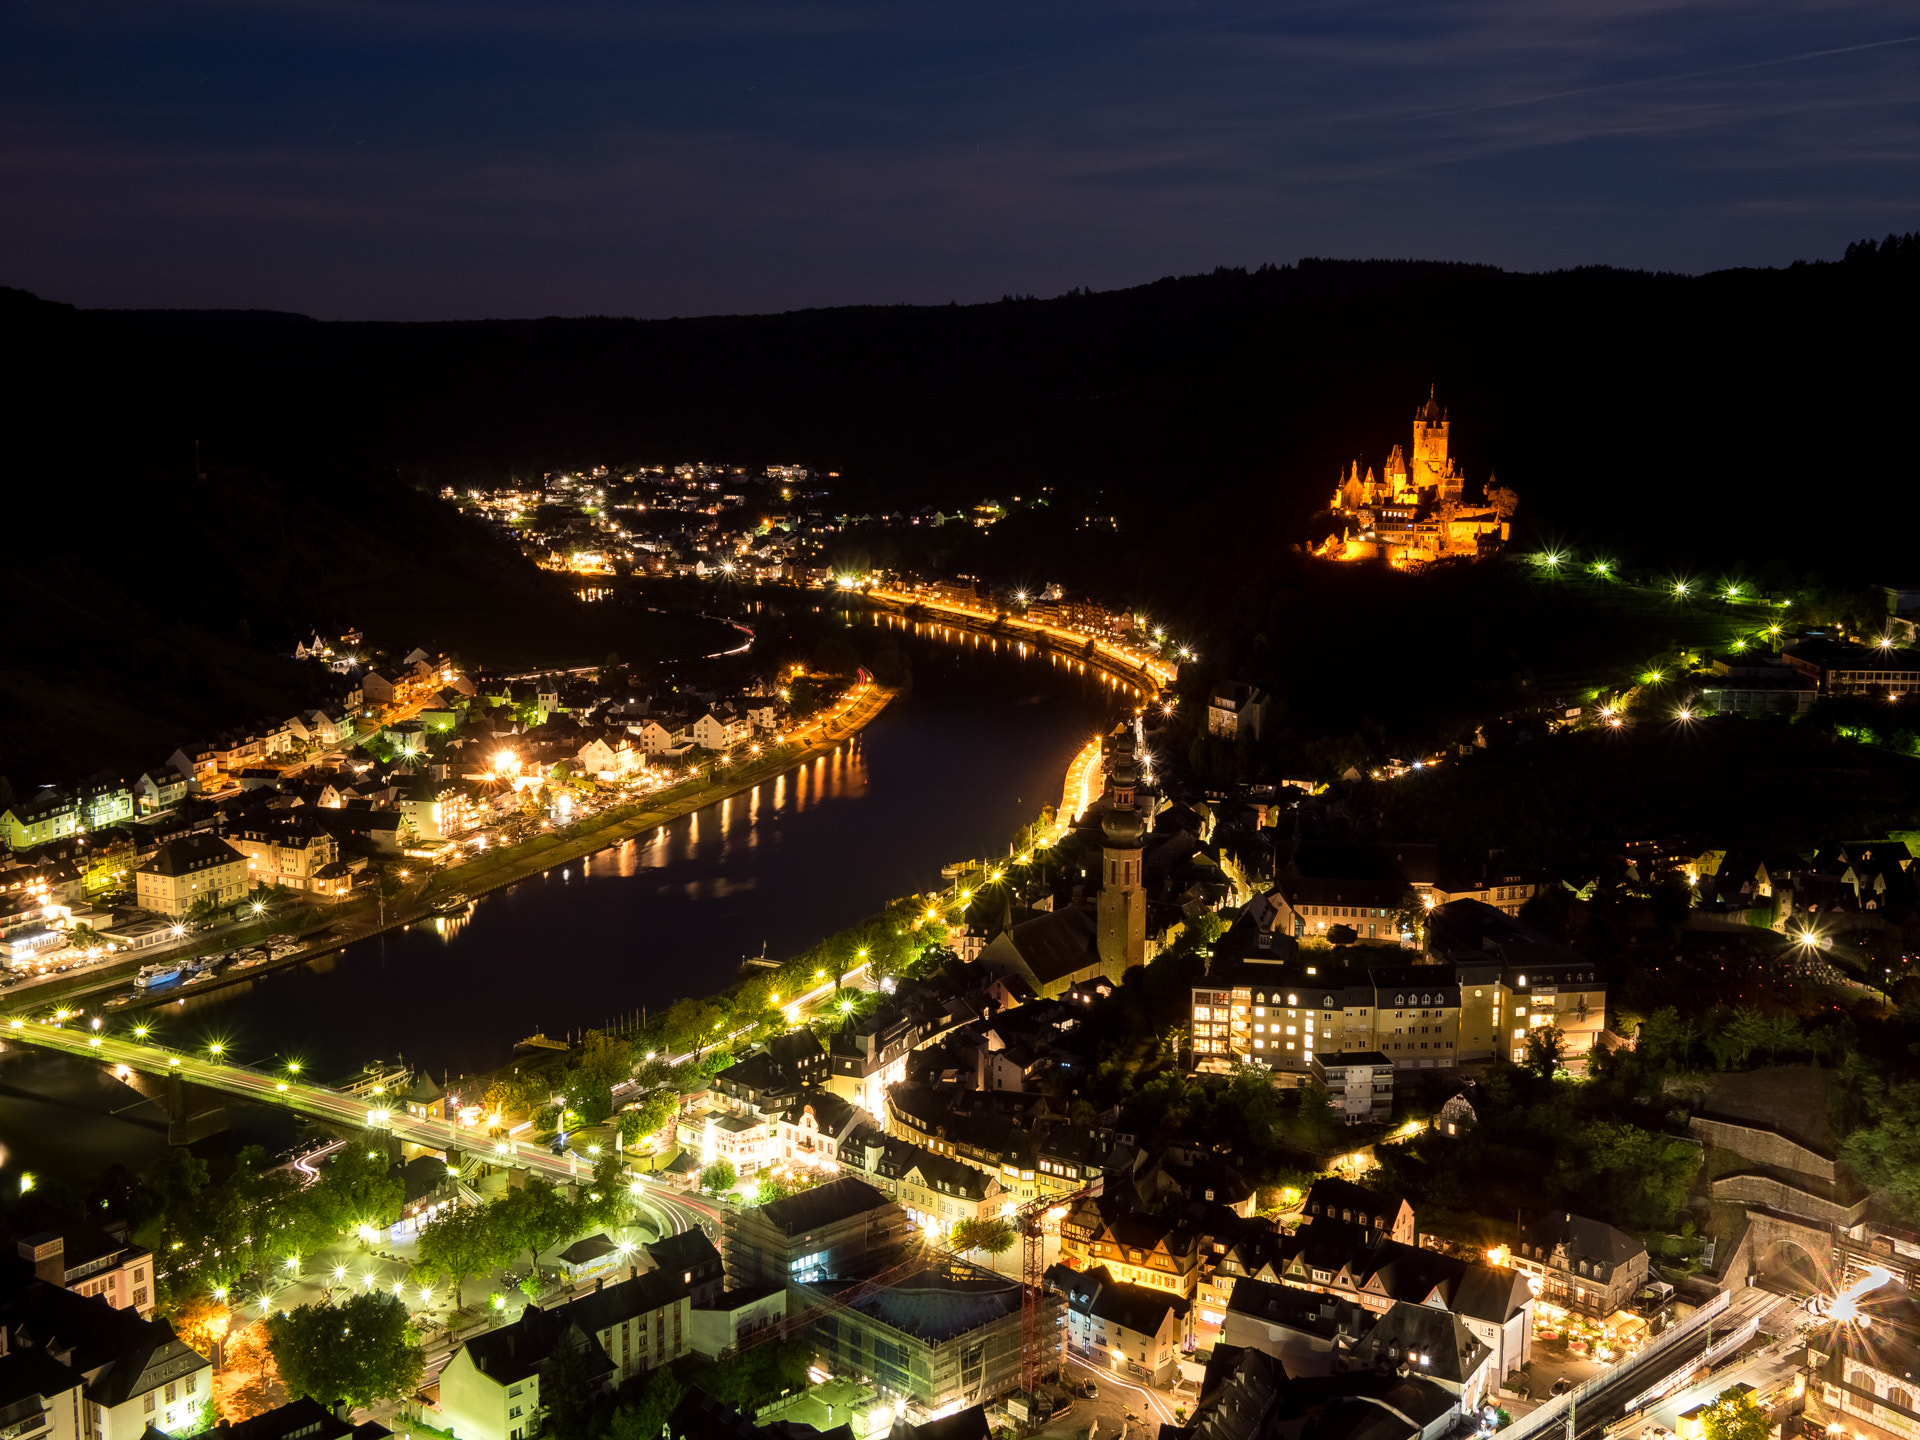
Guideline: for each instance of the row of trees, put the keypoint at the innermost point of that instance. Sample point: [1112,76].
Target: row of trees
[1731,1039]
[583,1081]
[468,1240]
[255,1218]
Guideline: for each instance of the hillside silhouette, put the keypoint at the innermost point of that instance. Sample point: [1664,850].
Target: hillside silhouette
[1714,423]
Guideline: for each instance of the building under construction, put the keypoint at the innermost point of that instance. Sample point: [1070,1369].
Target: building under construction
[947,1335]
[865,1289]
[844,1230]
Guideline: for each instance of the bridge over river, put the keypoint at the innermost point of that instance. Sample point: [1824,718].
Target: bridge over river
[191,1089]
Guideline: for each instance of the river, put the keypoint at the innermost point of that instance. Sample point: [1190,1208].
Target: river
[950,770]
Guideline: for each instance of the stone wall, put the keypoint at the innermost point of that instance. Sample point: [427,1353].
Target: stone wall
[1762,1146]
[1776,1194]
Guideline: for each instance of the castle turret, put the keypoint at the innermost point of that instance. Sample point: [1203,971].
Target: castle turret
[1122,910]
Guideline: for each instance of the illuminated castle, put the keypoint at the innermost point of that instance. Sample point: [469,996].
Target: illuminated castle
[1414,512]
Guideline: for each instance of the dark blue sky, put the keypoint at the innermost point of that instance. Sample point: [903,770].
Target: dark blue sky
[456,158]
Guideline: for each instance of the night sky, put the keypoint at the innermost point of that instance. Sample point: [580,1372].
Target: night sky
[409,159]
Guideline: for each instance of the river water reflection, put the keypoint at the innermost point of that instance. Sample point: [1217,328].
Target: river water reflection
[950,770]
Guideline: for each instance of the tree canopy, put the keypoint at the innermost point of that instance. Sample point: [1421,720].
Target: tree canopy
[354,1353]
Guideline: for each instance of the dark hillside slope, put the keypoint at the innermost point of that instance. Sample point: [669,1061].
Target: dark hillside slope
[1700,420]
[147,605]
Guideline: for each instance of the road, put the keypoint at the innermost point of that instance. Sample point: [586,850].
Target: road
[287,1090]
[1158,672]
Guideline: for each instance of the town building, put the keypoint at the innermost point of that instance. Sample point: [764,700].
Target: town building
[39,819]
[1100,1231]
[840,1229]
[1511,980]
[1234,709]
[936,1191]
[1130,1330]
[1053,951]
[991,1140]
[1260,1002]
[1309,1333]
[815,1130]
[102,1373]
[1369,889]
[1359,1084]
[1503,887]
[94,1263]
[297,853]
[491,1387]
[439,809]
[726,1320]
[1864,1365]
[302,1419]
[1754,683]
[1331,1257]
[947,1336]
[691,1256]
[1433,1343]
[1582,1265]
[722,728]
[187,871]
[1381,1215]
[160,789]
[1839,669]
[641,1323]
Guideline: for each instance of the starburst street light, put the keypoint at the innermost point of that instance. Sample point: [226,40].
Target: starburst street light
[1680,588]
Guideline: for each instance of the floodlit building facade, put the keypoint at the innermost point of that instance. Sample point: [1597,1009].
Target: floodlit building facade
[186,871]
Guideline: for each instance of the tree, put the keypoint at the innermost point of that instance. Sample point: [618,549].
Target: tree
[459,1243]
[644,1418]
[1545,1048]
[567,1389]
[719,1177]
[202,1323]
[771,1189]
[604,1200]
[1882,1146]
[1735,1416]
[354,1353]
[690,1024]
[358,1187]
[605,1061]
[531,1218]
[994,1236]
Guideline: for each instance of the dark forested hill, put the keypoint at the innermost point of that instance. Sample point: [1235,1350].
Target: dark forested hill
[1705,417]
[1713,422]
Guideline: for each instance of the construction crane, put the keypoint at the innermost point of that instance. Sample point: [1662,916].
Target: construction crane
[1027,1222]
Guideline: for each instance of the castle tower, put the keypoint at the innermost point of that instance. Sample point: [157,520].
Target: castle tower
[1393,479]
[1121,930]
[1430,469]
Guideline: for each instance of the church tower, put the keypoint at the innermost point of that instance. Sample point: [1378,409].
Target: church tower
[1122,913]
[1430,468]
